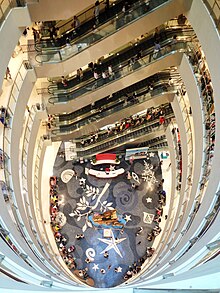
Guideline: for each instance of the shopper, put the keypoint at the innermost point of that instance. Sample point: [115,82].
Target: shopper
[76,24]
[96,12]
[8,73]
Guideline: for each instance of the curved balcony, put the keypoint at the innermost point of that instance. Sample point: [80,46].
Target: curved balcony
[52,49]
[67,33]
[147,65]
[120,110]
[158,80]
[106,142]
[116,39]
[119,62]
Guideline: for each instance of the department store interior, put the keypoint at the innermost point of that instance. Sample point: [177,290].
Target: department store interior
[109,146]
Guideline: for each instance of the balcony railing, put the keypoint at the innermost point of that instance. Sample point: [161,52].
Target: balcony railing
[7,5]
[214,9]
[12,104]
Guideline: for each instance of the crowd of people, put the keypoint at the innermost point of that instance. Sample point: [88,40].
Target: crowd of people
[158,214]
[135,268]
[204,79]
[67,253]
[176,135]
[128,123]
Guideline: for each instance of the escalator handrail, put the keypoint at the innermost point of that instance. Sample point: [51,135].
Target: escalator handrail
[183,47]
[58,49]
[118,107]
[134,135]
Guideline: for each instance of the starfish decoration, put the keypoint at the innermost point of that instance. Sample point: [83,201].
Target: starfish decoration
[95,267]
[112,168]
[119,270]
[148,199]
[127,218]
[112,243]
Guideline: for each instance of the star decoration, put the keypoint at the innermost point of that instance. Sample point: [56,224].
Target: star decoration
[112,243]
[119,270]
[112,168]
[127,218]
[148,199]
[151,155]
[95,267]
[82,180]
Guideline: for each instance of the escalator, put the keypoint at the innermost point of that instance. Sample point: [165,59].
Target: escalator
[87,23]
[120,64]
[114,110]
[150,84]
[71,43]
[108,38]
[106,142]
[148,64]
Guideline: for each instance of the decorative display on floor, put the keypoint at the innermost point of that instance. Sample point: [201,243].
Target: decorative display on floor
[91,203]
[148,174]
[112,243]
[148,218]
[103,225]
[107,220]
[90,253]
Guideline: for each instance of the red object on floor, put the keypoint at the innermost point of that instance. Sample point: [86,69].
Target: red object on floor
[102,157]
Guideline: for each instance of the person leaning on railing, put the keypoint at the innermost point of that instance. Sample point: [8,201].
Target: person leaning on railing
[76,24]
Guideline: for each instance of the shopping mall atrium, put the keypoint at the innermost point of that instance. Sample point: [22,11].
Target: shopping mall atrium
[110,146]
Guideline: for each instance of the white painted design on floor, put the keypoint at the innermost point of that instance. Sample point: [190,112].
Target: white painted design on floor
[90,253]
[83,205]
[119,270]
[95,267]
[61,219]
[127,218]
[148,218]
[149,199]
[112,243]
[67,175]
[135,177]
[92,191]
[148,174]
[82,181]
[112,168]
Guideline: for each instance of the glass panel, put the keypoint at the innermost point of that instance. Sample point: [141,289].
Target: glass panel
[123,70]
[71,48]
[214,9]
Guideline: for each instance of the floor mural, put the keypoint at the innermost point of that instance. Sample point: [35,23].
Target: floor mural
[105,252]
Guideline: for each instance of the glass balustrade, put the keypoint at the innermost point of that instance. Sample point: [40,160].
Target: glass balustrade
[124,69]
[7,132]
[200,68]
[111,142]
[7,5]
[214,9]
[138,10]
[121,105]
[208,110]
[170,229]
[103,134]
[137,90]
